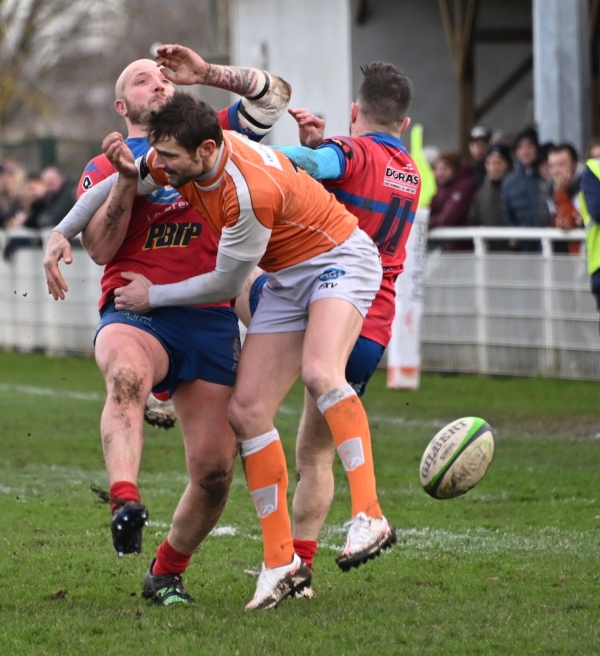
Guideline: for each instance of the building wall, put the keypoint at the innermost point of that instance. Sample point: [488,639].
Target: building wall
[308,44]
[318,46]
[410,34]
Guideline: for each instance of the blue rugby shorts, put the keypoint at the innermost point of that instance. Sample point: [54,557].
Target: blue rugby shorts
[201,343]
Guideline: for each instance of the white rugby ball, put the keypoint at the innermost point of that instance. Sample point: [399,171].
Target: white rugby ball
[457,458]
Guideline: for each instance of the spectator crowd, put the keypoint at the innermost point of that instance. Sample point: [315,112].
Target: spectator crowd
[505,182]
[509,182]
[32,200]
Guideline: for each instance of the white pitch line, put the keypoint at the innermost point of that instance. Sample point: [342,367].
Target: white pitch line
[283,409]
[42,391]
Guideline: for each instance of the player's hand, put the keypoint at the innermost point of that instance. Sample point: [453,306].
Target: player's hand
[119,155]
[134,297]
[57,248]
[311,128]
[181,65]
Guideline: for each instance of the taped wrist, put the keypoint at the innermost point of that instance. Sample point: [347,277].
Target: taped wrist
[258,113]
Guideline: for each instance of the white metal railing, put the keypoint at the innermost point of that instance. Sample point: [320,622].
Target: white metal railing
[481,235]
[510,313]
[485,312]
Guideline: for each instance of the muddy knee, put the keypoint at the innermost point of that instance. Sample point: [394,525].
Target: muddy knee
[215,486]
[126,386]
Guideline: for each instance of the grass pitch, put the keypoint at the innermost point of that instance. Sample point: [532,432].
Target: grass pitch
[510,568]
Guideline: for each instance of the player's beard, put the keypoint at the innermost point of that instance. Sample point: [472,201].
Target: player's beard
[137,114]
[181,180]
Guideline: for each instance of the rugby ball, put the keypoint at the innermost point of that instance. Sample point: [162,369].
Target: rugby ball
[457,458]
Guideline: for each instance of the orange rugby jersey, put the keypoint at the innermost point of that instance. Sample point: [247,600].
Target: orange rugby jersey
[261,187]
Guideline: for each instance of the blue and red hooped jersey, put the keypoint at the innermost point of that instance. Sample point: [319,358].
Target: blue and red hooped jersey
[167,240]
[380,185]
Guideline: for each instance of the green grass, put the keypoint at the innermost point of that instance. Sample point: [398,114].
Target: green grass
[510,568]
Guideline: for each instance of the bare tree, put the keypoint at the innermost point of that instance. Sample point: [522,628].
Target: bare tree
[36,37]
[59,59]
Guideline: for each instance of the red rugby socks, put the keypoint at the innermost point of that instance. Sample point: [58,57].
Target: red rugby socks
[121,492]
[169,560]
[307,550]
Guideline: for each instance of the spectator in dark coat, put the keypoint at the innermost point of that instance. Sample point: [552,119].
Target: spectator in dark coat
[450,205]
[487,209]
[523,192]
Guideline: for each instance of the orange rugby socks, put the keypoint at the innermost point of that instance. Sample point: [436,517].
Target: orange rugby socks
[348,423]
[266,473]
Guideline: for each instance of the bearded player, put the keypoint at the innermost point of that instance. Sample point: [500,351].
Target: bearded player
[190,352]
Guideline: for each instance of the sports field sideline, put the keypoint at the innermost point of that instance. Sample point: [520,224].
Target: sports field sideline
[510,568]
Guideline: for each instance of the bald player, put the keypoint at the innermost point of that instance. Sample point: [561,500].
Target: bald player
[190,352]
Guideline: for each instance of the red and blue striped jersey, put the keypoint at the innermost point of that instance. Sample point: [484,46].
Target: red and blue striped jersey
[380,185]
[167,240]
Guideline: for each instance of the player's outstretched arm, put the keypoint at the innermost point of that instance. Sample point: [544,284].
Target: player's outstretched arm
[57,248]
[182,65]
[105,233]
[265,96]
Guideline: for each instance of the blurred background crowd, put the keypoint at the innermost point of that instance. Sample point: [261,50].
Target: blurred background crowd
[509,182]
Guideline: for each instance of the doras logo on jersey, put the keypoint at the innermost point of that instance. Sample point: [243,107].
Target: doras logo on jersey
[405,180]
[87,182]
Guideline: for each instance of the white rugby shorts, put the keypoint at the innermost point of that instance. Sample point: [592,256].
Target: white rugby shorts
[351,271]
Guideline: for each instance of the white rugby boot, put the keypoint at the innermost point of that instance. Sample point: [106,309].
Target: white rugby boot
[367,537]
[277,583]
[160,414]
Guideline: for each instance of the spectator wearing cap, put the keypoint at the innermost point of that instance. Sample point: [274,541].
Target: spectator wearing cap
[479,141]
[487,209]
[523,193]
[562,193]
[451,203]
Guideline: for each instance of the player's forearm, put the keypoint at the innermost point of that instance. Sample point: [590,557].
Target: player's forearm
[322,164]
[105,233]
[246,82]
[223,284]
[84,209]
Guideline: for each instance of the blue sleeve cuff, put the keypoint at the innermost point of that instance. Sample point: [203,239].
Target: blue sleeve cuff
[234,122]
[322,164]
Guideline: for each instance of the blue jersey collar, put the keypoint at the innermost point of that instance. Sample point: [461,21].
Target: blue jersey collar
[138,145]
[385,138]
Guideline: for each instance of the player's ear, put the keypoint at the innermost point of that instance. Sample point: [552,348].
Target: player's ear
[206,148]
[353,112]
[405,124]
[120,106]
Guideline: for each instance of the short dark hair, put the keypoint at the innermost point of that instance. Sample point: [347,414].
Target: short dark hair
[566,147]
[385,94]
[189,120]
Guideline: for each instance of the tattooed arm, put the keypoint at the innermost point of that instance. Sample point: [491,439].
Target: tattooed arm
[105,233]
[265,96]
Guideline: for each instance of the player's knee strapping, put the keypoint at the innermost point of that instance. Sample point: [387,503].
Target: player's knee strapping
[348,423]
